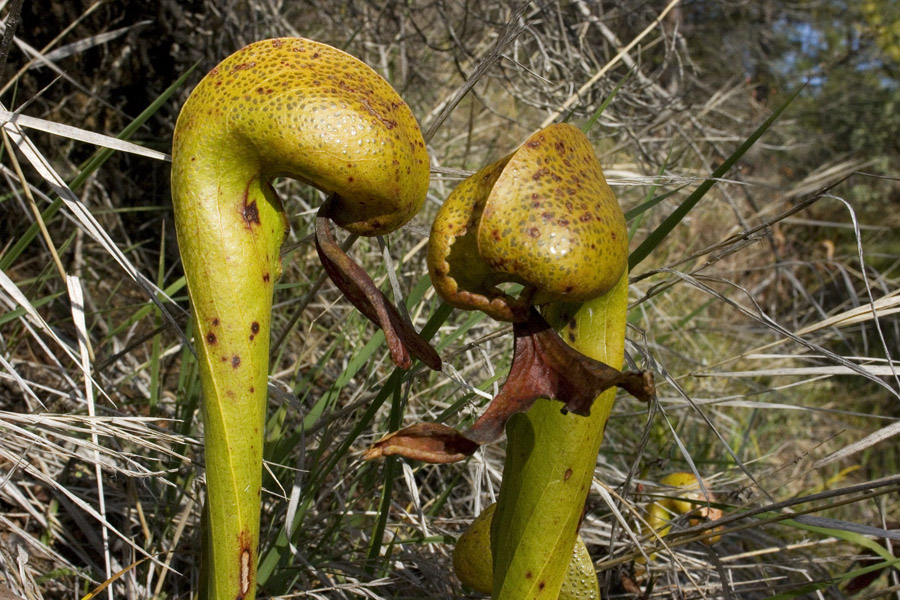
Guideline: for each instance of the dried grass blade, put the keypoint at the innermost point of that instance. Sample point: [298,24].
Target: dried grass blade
[858,446]
[92,41]
[76,295]
[827,371]
[82,135]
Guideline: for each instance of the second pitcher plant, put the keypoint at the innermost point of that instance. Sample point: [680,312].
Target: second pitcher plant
[543,217]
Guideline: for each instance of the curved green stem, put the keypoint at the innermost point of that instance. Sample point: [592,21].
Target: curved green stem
[550,462]
[284,107]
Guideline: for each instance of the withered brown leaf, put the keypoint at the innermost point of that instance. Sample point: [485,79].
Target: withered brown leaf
[361,291]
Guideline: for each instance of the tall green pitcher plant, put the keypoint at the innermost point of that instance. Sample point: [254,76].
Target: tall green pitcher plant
[300,109]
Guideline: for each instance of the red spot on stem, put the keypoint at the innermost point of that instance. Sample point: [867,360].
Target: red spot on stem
[250,212]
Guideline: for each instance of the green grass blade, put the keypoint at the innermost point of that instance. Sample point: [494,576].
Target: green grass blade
[278,553]
[590,122]
[645,206]
[91,165]
[390,472]
[665,228]
[649,202]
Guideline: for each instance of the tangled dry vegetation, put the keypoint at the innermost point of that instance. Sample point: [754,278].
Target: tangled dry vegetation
[776,380]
